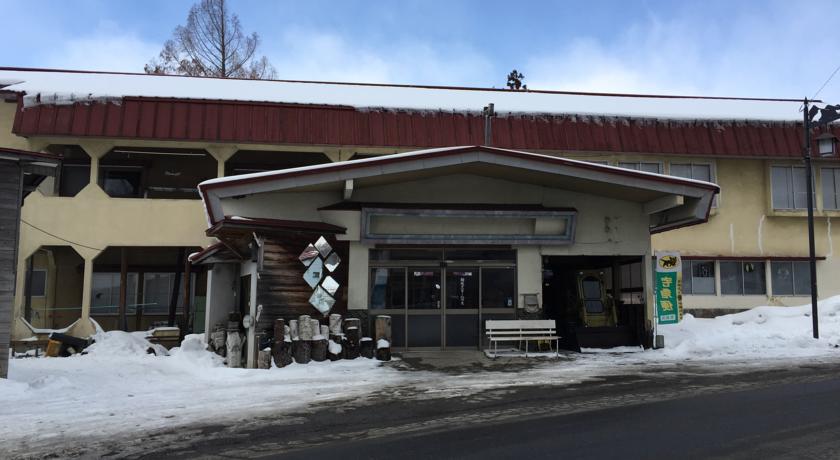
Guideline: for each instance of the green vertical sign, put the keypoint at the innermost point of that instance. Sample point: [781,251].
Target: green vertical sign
[667,287]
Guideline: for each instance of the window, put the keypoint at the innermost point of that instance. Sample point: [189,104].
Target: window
[157,293]
[742,278]
[830,188]
[73,179]
[788,187]
[652,167]
[122,182]
[462,287]
[106,293]
[791,278]
[694,171]
[498,287]
[37,283]
[387,288]
[698,277]
[423,288]
[632,284]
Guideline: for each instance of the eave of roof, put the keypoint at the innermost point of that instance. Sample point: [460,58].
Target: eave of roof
[26,155]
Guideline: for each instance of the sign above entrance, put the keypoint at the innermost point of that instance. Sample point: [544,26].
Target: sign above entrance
[668,287]
[468,226]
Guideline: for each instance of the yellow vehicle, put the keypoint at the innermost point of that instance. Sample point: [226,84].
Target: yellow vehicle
[595,307]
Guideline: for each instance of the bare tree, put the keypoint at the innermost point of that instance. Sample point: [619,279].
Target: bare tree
[212,44]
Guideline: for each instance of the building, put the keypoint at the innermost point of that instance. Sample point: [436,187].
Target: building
[125,206]
[20,173]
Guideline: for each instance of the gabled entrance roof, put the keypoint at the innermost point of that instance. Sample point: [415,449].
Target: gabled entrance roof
[671,201]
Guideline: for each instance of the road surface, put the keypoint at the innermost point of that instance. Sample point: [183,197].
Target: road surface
[791,412]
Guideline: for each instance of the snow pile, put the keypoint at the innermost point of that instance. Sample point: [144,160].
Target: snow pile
[119,343]
[382,343]
[118,388]
[762,332]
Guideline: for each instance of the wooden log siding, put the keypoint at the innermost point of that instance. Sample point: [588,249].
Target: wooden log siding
[281,289]
[9,219]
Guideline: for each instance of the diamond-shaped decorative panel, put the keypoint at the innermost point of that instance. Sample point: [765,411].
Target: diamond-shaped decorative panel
[321,300]
[332,262]
[308,255]
[330,285]
[323,247]
[314,273]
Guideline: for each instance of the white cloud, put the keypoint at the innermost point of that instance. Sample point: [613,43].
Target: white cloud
[314,55]
[767,52]
[108,47]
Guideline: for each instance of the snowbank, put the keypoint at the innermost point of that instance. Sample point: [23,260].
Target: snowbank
[118,388]
[762,332]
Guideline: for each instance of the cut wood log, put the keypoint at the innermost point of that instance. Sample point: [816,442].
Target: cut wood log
[325,330]
[305,332]
[302,351]
[264,359]
[316,327]
[334,350]
[383,350]
[234,349]
[293,329]
[351,342]
[383,328]
[320,349]
[281,349]
[366,347]
[335,324]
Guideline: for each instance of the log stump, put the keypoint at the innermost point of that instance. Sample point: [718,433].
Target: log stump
[293,329]
[319,350]
[382,328]
[264,359]
[335,324]
[305,332]
[302,351]
[366,347]
[281,349]
[383,350]
[351,342]
[334,350]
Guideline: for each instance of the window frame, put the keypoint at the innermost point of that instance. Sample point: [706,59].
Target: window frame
[715,275]
[835,177]
[793,293]
[712,175]
[660,165]
[792,193]
[743,279]
[30,284]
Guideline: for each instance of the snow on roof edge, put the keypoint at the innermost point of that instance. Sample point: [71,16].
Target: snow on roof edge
[64,87]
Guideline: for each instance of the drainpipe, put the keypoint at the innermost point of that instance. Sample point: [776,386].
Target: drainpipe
[489,113]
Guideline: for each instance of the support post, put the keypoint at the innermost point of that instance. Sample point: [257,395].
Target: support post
[188,317]
[123,323]
[176,284]
[812,259]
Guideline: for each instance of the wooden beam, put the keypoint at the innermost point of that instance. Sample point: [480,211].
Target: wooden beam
[187,298]
[663,203]
[176,284]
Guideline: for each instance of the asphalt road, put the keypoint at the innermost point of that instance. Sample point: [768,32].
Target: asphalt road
[791,412]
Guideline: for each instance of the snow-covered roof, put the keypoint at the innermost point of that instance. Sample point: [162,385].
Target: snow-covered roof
[64,87]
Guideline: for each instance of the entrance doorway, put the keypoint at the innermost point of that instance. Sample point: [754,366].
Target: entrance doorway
[440,297]
[597,301]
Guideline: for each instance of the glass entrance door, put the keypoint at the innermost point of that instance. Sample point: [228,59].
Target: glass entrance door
[440,297]
[424,319]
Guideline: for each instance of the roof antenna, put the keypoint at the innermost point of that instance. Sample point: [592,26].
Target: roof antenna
[489,113]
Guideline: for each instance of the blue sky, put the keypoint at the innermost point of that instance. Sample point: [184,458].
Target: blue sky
[743,48]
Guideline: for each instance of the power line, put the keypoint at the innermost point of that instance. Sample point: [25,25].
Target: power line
[826,82]
[60,238]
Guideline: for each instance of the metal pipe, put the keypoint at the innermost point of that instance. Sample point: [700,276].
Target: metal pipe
[812,259]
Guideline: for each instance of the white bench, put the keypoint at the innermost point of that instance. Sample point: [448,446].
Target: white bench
[525,330]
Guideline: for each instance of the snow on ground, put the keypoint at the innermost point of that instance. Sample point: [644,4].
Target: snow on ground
[117,388]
